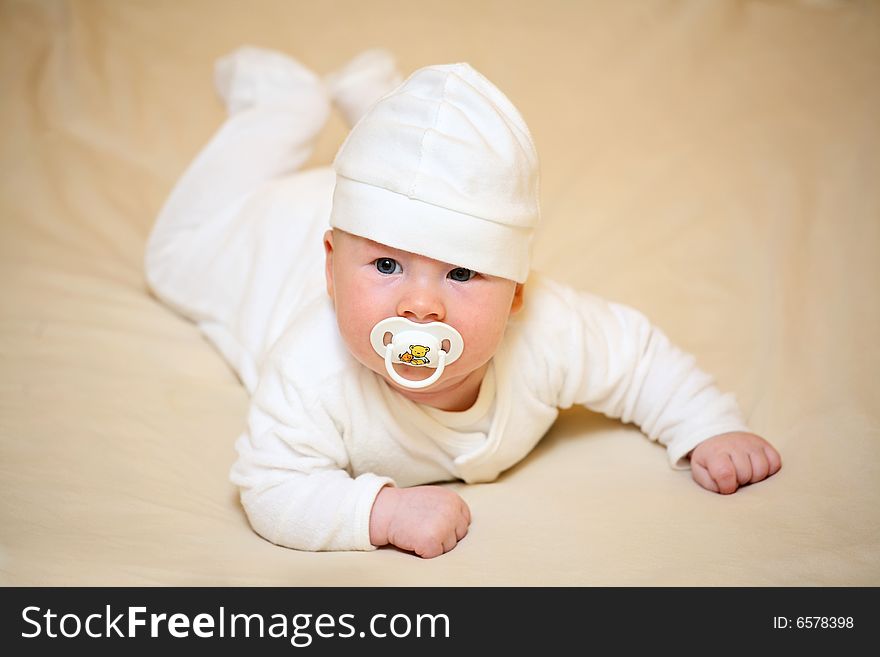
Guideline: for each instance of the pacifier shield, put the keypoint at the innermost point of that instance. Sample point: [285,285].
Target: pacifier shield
[416,345]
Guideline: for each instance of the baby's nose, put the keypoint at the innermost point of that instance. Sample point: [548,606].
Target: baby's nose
[421,305]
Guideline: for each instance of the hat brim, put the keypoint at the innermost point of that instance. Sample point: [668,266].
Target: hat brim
[439,233]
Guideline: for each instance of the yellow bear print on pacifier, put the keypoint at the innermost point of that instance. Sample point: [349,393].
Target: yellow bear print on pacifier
[417,355]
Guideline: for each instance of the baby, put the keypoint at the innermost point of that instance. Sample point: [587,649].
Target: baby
[416,346]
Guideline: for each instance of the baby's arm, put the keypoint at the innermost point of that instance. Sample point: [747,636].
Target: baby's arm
[627,368]
[293,470]
[293,473]
[727,461]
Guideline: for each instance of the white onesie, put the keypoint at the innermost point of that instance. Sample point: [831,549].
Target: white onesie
[237,249]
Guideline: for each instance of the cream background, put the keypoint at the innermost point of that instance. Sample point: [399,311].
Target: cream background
[715,164]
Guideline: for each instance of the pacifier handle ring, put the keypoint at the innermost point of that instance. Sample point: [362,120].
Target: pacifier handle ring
[406,383]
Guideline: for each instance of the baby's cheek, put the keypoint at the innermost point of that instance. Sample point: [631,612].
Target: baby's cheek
[480,342]
[352,328]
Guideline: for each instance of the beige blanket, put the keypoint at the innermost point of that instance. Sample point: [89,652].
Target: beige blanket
[715,164]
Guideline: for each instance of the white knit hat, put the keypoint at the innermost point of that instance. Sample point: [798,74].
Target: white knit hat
[442,166]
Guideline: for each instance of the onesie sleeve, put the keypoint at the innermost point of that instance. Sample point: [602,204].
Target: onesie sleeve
[622,366]
[293,471]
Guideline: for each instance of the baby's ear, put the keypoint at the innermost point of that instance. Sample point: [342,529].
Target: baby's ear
[328,262]
[518,298]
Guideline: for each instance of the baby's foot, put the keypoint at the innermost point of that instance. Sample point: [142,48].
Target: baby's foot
[362,81]
[250,75]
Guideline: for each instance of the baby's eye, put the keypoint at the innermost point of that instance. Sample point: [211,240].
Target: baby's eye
[388,266]
[461,274]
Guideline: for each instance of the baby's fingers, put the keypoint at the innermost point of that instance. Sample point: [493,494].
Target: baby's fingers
[743,465]
[724,473]
[449,543]
[702,477]
[773,459]
[760,466]
[463,522]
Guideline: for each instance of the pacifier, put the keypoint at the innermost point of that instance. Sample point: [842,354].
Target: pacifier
[416,345]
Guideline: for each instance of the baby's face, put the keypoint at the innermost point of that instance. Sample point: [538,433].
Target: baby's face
[369,281]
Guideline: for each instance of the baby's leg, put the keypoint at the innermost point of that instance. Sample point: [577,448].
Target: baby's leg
[216,241]
[362,81]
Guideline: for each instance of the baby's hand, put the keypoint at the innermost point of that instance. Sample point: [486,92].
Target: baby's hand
[427,520]
[727,461]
